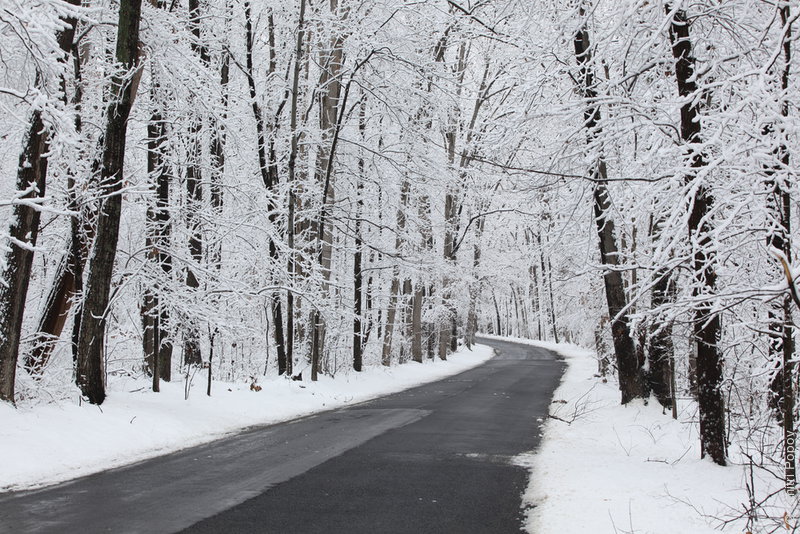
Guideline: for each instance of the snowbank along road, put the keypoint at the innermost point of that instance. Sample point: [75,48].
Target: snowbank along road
[433,459]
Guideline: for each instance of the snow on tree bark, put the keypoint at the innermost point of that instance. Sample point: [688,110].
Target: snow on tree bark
[91,338]
[707,325]
[631,381]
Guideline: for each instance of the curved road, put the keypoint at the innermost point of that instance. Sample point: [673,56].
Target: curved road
[433,459]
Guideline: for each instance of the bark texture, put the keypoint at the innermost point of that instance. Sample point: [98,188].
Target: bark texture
[706,321]
[91,338]
[23,234]
[631,381]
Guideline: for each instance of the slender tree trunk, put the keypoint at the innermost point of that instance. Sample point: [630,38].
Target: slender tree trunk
[631,381]
[448,323]
[498,331]
[424,291]
[781,341]
[707,325]
[789,432]
[416,323]
[269,180]
[358,328]
[331,60]
[446,326]
[391,313]
[91,339]
[155,315]
[552,299]
[394,291]
[192,354]
[533,290]
[357,306]
[218,138]
[290,223]
[475,288]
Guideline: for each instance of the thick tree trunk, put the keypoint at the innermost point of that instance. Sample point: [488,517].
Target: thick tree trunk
[68,280]
[23,233]
[31,177]
[631,382]
[54,317]
[707,327]
[91,339]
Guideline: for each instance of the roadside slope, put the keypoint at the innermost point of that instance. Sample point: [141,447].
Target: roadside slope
[607,468]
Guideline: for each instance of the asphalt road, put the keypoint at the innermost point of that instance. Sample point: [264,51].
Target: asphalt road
[433,459]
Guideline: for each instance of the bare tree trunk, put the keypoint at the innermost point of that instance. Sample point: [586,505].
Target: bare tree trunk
[357,306]
[475,288]
[331,60]
[660,350]
[24,231]
[631,381]
[781,341]
[287,366]
[658,332]
[31,178]
[155,315]
[533,290]
[269,180]
[448,326]
[552,299]
[68,281]
[707,325]
[498,331]
[290,223]
[391,313]
[156,245]
[91,339]
[358,328]
[394,291]
[416,323]
[192,354]
[218,140]
[445,327]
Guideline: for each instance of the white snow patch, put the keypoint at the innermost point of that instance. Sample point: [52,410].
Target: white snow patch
[603,467]
[46,444]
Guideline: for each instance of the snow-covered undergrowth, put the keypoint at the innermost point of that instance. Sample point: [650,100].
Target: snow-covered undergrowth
[606,468]
[44,444]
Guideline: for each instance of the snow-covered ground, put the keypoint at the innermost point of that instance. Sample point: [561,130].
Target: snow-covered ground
[607,468]
[45,444]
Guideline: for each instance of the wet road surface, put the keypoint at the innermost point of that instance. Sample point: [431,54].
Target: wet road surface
[433,459]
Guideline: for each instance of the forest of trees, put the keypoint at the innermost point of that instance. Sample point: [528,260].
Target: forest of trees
[306,187]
